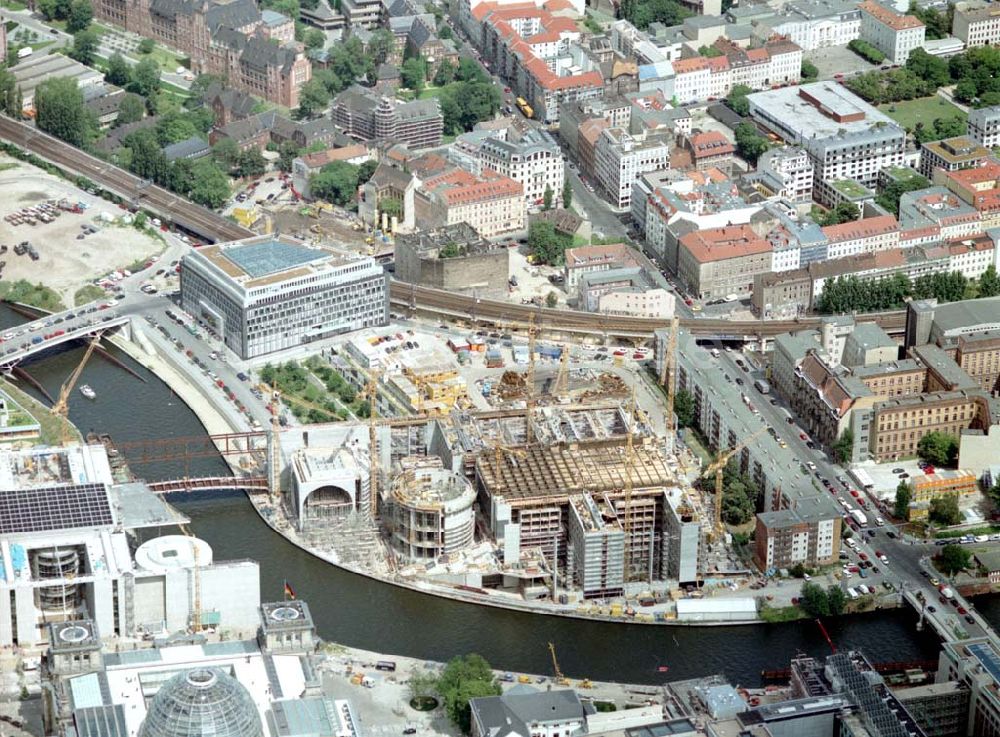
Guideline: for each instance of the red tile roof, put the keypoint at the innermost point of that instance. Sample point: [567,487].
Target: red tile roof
[710,143]
[459,187]
[866,228]
[889,17]
[720,244]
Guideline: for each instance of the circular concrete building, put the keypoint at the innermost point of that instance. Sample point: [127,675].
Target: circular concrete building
[172,552]
[431,513]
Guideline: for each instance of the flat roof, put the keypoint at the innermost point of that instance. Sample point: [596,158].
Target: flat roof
[821,110]
[262,259]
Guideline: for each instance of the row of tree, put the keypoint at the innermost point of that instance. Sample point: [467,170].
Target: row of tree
[850,294]
[819,602]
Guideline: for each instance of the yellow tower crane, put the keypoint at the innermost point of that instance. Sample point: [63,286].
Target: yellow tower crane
[668,376]
[61,408]
[560,679]
[530,380]
[274,446]
[560,387]
[627,506]
[718,467]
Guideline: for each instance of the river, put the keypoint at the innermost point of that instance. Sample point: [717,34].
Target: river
[356,611]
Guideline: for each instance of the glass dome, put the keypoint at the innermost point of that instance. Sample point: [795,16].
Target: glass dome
[203,702]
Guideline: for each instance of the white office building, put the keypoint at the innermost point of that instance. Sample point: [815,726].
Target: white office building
[268,293]
[984,126]
[817,24]
[892,33]
[845,137]
[620,158]
[534,161]
[976,23]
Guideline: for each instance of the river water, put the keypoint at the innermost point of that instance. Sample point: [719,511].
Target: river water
[356,611]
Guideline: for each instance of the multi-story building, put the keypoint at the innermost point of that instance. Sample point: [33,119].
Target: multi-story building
[951,154]
[897,425]
[362,113]
[806,534]
[267,293]
[846,138]
[592,259]
[534,161]
[701,78]
[227,39]
[984,126]
[621,157]
[979,356]
[716,263]
[536,52]
[491,203]
[976,24]
[635,292]
[869,235]
[787,172]
[455,258]
[975,663]
[710,150]
[816,24]
[892,33]
[937,206]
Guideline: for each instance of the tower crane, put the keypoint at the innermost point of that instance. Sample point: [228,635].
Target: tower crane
[560,679]
[61,408]
[629,462]
[561,385]
[274,446]
[718,467]
[530,380]
[372,391]
[668,377]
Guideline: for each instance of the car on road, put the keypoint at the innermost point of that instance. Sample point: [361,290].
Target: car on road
[898,470]
[962,610]
[931,608]
[970,619]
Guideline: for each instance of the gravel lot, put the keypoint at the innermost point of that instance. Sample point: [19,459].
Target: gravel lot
[65,263]
[837,60]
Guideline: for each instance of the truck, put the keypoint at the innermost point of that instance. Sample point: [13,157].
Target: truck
[947,593]
[525,108]
[730,298]
[25,52]
[859,517]
[762,386]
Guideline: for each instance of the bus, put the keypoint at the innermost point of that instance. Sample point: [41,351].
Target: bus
[524,107]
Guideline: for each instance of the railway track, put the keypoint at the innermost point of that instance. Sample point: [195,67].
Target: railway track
[213,227]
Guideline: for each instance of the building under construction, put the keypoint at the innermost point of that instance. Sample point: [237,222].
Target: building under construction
[529,496]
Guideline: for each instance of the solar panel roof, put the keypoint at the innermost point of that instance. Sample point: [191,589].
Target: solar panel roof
[54,508]
[269,257]
[988,657]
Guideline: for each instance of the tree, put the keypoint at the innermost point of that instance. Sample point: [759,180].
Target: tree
[643,12]
[567,194]
[59,111]
[10,94]
[903,498]
[546,244]
[313,98]
[226,153]
[130,109]
[314,39]
[814,600]
[80,15]
[547,198]
[54,9]
[250,163]
[365,171]
[469,71]
[749,142]
[145,79]
[462,679]
[84,47]
[938,448]
[932,69]
[843,212]
[889,197]
[953,558]
[944,510]
[737,99]
[808,71]
[381,45]
[336,182]
[843,448]
[211,186]
[146,46]
[288,151]
[422,684]
[119,72]
[836,600]
[445,74]
[148,160]
[391,206]
[866,51]
[551,300]
[414,73]
[684,408]
[174,127]
[989,282]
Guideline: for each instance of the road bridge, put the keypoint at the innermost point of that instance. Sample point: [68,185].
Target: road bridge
[48,332]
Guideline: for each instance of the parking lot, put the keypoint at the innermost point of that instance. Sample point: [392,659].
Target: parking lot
[837,60]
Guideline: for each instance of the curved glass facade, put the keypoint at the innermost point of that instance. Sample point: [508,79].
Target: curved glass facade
[202,702]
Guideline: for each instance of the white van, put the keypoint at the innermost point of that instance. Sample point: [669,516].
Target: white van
[852,592]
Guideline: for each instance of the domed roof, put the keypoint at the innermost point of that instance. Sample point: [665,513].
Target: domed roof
[202,702]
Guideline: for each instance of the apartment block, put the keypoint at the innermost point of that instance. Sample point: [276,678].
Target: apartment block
[492,204]
[787,173]
[710,150]
[951,154]
[362,113]
[897,425]
[846,138]
[722,261]
[892,33]
[984,126]
[703,78]
[534,161]
[940,208]
[788,537]
[620,157]
[976,24]
[862,236]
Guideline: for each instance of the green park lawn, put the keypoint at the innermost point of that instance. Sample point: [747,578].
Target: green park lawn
[922,110]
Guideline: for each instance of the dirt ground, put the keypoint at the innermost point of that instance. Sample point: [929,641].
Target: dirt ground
[65,263]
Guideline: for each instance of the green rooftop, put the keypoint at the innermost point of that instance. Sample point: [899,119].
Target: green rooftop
[901,173]
[850,188]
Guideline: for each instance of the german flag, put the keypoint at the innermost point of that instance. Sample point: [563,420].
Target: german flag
[289,591]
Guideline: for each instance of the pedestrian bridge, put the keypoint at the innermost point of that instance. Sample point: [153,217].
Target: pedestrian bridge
[210,483]
[29,339]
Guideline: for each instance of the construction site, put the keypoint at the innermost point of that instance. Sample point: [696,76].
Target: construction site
[558,491]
